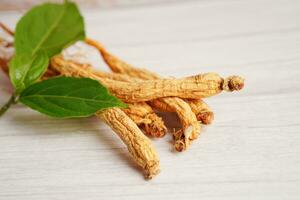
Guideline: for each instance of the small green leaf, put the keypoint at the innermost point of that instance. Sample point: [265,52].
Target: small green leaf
[25,69]
[66,97]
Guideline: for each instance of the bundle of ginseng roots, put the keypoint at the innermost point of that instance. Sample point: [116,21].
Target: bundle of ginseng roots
[145,93]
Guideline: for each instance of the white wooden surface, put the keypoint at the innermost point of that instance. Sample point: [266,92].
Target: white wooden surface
[252,150]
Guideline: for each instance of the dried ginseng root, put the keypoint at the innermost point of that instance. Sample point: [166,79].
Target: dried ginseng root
[191,128]
[198,106]
[119,66]
[193,87]
[3,64]
[139,146]
[141,113]
[6,47]
[6,29]
[202,110]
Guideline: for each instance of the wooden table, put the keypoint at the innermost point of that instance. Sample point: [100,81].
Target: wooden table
[252,149]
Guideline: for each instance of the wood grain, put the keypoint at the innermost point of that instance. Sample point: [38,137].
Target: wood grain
[251,151]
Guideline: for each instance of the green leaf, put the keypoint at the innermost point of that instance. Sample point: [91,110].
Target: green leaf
[66,97]
[41,33]
[25,69]
[49,27]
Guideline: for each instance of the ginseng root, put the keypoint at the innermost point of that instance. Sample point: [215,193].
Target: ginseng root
[139,146]
[194,87]
[199,107]
[202,110]
[143,115]
[6,29]
[4,66]
[119,66]
[5,45]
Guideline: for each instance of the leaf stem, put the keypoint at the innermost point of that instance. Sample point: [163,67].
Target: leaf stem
[12,100]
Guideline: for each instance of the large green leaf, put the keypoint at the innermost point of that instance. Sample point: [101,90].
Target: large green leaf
[49,27]
[66,97]
[41,33]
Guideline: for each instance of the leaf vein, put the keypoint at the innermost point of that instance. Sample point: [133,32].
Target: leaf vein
[51,29]
[64,97]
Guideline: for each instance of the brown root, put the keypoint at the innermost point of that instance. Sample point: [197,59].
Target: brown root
[139,146]
[202,111]
[143,115]
[233,83]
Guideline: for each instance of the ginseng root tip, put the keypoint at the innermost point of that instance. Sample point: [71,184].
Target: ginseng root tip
[233,83]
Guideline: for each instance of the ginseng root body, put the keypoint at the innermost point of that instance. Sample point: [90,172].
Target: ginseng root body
[194,87]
